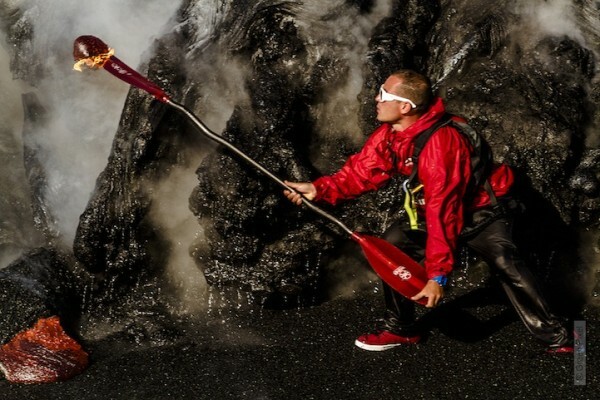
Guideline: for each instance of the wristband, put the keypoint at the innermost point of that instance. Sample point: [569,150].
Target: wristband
[440,280]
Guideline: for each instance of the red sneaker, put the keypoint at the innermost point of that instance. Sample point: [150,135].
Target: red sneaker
[384,340]
[559,350]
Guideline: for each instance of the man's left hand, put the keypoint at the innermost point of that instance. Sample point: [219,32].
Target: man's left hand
[434,293]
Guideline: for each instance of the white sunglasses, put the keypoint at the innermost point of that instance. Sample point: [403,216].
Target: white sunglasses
[385,96]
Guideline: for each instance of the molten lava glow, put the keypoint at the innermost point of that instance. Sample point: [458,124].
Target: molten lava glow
[93,62]
[91,52]
[42,354]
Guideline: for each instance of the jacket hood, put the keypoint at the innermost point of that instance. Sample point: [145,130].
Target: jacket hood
[433,113]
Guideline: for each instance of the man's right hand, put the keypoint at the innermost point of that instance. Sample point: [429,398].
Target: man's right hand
[302,189]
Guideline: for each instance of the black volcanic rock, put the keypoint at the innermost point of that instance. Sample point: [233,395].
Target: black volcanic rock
[40,284]
[277,78]
[115,237]
[529,99]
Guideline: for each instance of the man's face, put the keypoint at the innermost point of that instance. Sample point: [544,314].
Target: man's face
[391,111]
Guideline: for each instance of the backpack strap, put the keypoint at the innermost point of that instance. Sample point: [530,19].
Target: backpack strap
[481,159]
[488,189]
[422,139]
[409,200]
[481,155]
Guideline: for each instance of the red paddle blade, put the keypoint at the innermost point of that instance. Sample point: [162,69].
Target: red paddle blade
[127,74]
[94,53]
[394,267]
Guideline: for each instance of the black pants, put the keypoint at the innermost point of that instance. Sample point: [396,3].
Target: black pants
[495,245]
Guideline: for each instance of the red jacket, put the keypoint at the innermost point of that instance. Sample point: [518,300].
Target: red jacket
[444,169]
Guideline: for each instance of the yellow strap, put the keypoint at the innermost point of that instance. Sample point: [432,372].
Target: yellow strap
[411,206]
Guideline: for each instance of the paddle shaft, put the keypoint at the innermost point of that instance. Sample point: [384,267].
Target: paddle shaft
[204,129]
[122,71]
[387,260]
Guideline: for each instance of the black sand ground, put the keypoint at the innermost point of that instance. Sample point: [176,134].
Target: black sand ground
[481,352]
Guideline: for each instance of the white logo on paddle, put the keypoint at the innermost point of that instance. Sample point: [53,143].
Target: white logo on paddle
[402,273]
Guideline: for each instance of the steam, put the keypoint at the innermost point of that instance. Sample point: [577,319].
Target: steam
[171,214]
[552,18]
[561,11]
[84,109]
[11,113]
[333,33]
[13,228]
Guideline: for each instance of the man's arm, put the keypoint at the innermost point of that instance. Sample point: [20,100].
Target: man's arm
[367,170]
[444,170]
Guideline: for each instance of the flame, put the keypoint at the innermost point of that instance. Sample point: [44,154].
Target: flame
[94,62]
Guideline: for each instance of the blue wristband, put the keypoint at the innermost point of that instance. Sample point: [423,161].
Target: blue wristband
[440,280]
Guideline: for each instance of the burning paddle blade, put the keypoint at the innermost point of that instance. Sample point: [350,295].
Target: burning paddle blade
[93,53]
[394,267]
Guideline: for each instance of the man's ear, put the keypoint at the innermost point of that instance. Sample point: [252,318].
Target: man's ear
[404,108]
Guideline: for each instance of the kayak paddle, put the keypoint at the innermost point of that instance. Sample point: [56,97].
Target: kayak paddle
[393,266]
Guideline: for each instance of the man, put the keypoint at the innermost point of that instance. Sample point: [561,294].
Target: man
[406,108]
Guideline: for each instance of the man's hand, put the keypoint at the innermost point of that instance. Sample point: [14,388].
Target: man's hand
[434,293]
[306,189]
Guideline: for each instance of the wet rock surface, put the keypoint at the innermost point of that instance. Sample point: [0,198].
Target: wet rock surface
[476,68]
[39,284]
[40,301]
[115,236]
[282,66]
[478,351]
[292,85]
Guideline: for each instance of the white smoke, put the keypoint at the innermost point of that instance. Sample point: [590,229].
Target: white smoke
[13,230]
[11,112]
[330,32]
[84,109]
[552,17]
[171,215]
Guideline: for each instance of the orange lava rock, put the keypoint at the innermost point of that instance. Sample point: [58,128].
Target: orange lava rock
[42,354]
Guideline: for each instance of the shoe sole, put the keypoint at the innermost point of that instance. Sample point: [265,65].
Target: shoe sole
[375,347]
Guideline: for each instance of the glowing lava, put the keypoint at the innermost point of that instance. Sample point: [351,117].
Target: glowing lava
[42,354]
[91,52]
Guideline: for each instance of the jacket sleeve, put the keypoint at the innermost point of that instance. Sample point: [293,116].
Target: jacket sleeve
[445,170]
[367,170]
